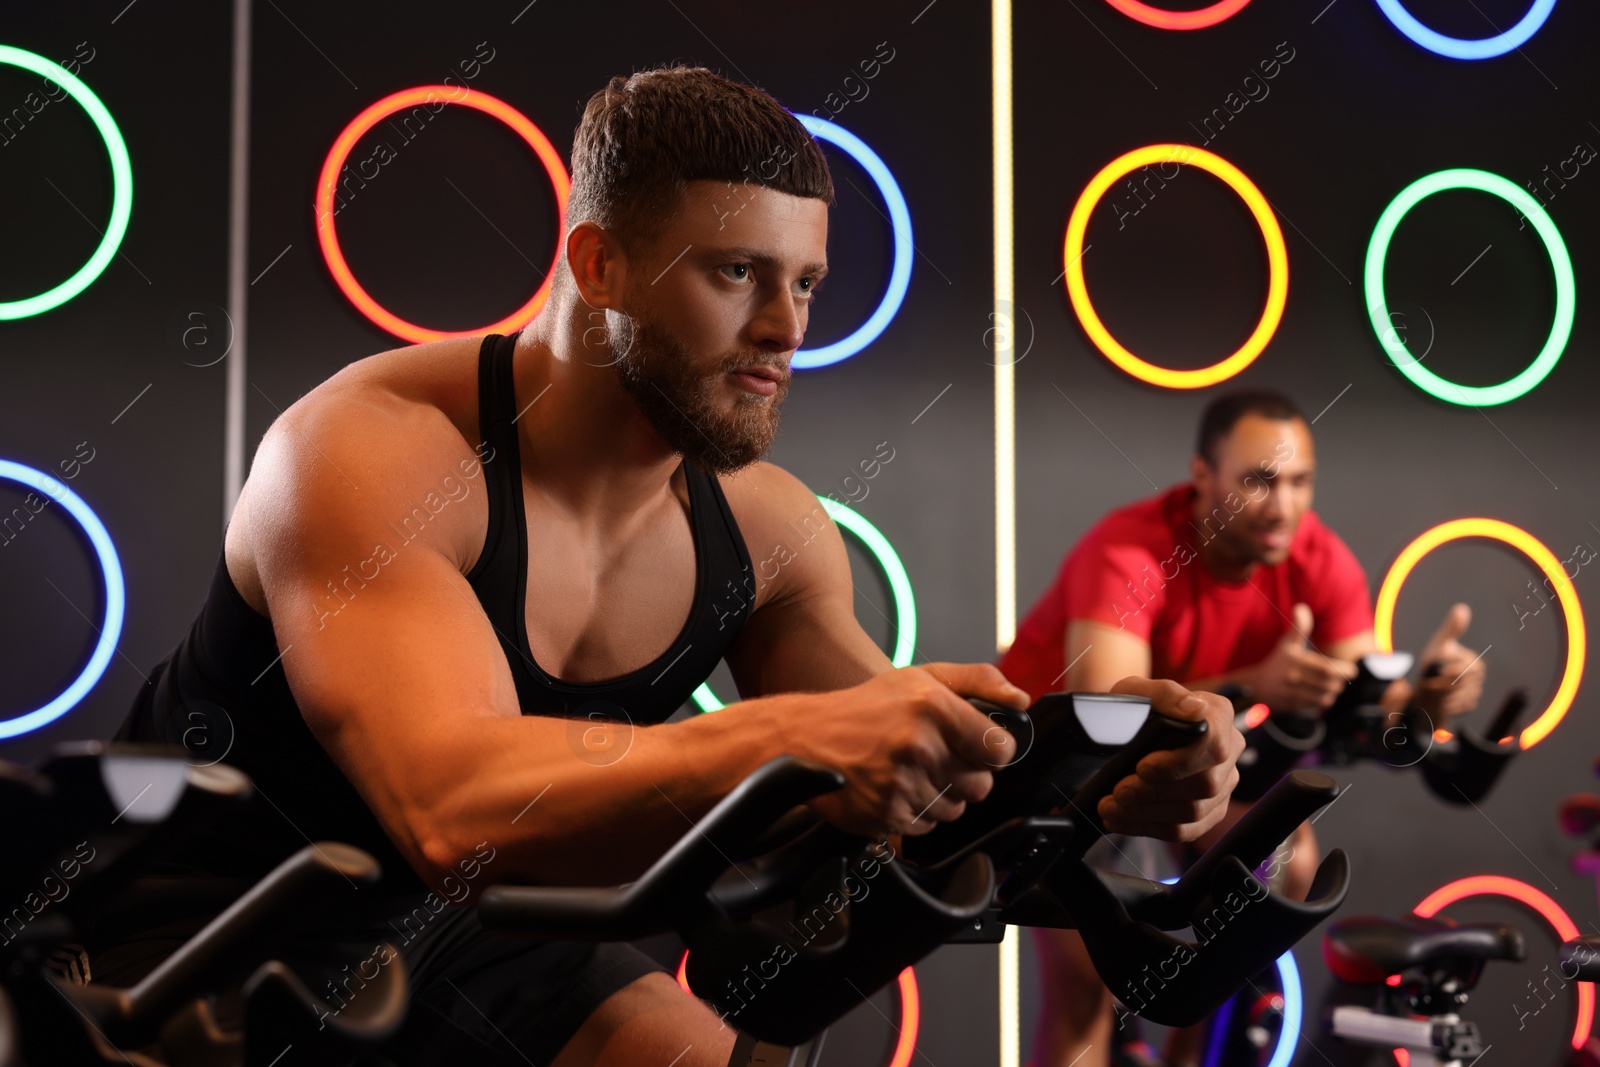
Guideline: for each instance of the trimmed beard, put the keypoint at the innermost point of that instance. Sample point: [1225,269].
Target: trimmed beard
[684,403]
[1241,549]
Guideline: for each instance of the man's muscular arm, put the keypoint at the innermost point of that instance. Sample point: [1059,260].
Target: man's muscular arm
[409,691]
[803,635]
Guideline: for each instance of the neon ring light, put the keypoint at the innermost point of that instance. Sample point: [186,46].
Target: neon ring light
[1463,48]
[910,1012]
[1277,266]
[121,185]
[899,221]
[1542,557]
[1293,1016]
[329,178]
[1162,19]
[905,604]
[1552,913]
[1560,262]
[110,572]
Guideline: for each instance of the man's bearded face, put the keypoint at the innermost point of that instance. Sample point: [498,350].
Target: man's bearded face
[693,403]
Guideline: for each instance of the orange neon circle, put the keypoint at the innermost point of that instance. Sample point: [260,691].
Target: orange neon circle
[1501,886]
[1162,19]
[1277,266]
[328,180]
[1534,549]
[910,1011]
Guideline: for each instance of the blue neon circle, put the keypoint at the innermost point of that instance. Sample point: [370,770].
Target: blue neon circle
[111,571]
[1462,48]
[1293,1015]
[899,219]
[1293,1011]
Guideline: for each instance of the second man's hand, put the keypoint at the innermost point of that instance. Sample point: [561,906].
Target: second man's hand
[1179,794]
[1458,684]
[1296,677]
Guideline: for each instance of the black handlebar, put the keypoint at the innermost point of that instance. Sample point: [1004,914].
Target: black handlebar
[1460,770]
[784,943]
[658,900]
[136,804]
[1580,958]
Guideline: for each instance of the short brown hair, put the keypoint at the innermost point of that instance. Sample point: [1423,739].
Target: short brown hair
[644,138]
[1223,413]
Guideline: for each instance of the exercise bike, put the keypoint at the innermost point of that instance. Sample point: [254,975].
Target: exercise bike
[1459,770]
[99,816]
[791,922]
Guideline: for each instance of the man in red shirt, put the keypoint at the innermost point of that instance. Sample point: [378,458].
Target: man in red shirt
[1227,580]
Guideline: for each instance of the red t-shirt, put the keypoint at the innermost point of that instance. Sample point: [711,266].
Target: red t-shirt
[1138,569]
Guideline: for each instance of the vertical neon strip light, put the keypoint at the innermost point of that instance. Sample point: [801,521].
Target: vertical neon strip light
[1005,442]
[238,243]
[1005,438]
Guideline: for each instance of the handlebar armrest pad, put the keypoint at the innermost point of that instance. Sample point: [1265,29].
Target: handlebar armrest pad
[1464,769]
[1243,925]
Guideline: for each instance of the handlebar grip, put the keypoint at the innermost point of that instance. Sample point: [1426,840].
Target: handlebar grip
[673,890]
[1272,749]
[1243,927]
[1580,959]
[1158,733]
[1466,768]
[1296,797]
[279,1010]
[233,941]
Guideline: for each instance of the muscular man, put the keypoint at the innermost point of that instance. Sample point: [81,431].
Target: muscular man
[1229,578]
[469,581]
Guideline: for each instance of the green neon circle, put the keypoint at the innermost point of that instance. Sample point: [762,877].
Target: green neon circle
[905,605]
[1560,262]
[121,185]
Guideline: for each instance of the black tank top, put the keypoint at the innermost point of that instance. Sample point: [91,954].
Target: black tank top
[222,692]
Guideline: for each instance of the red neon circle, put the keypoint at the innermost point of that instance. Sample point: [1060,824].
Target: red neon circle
[1501,886]
[910,1011]
[326,182]
[1162,19]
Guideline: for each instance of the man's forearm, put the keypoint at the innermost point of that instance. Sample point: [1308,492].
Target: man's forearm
[583,802]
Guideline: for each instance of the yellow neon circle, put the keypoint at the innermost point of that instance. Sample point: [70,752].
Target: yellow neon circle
[1277,266]
[1534,549]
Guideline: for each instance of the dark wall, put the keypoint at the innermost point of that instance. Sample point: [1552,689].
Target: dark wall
[1357,114]
[457,229]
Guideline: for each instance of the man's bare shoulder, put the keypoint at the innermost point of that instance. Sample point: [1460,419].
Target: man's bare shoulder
[781,519]
[767,501]
[390,436]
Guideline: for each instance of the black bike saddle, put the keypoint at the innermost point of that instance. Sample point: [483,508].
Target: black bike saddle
[1365,950]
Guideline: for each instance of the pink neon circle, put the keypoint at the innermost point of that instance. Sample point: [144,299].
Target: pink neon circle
[327,183]
[1162,19]
[1500,886]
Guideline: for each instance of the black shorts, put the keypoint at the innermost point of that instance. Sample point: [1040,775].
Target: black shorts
[474,996]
